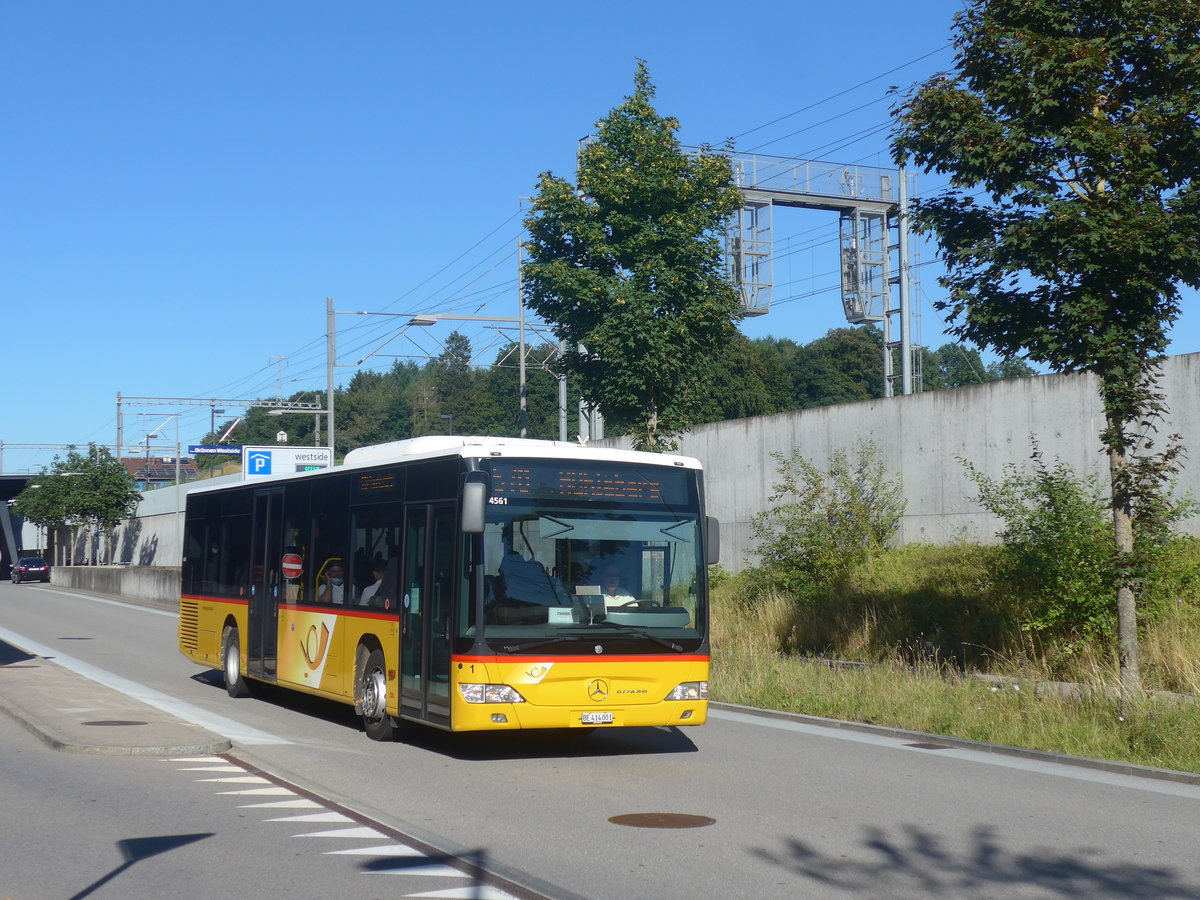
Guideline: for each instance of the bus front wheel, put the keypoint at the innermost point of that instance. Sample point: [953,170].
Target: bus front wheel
[373,690]
[231,663]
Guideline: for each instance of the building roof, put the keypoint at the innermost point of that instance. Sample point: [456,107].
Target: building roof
[159,469]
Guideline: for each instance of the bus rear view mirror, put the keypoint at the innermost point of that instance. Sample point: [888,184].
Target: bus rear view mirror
[712,540]
[474,502]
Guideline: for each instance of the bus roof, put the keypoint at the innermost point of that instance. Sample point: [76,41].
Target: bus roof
[468,446]
[434,446]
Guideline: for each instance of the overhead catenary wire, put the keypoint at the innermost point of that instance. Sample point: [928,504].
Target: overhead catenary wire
[462,284]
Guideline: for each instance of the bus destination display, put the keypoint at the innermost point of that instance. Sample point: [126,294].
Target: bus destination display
[614,483]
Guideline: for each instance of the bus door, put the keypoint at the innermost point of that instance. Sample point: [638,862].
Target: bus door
[266,583]
[430,541]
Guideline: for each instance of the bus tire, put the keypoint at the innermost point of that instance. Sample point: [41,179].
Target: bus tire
[231,663]
[378,725]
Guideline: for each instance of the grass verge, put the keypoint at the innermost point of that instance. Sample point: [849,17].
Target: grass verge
[759,660]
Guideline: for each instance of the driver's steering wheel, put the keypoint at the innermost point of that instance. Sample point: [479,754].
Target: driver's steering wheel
[639,603]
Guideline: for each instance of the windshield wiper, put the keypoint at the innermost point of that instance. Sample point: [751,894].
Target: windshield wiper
[542,642]
[571,638]
[670,645]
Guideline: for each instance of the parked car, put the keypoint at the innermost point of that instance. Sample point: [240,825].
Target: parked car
[30,568]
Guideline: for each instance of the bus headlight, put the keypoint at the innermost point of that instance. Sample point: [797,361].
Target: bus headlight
[690,690]
[489,693]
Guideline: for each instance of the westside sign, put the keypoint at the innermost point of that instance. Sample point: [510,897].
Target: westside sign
[263,462]
[203,450]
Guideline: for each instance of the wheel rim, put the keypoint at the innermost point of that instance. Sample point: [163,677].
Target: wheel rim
[233,664]
[374,692]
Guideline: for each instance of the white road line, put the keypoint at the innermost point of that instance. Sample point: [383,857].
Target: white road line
[212,769]
[1058,770]
[259,792]
[474,892]
[298,803]
[406,860]
[384,850]
[357,834]
[235,731]
[330,817]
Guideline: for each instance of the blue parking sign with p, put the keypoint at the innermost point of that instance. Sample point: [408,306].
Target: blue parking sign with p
[259,462]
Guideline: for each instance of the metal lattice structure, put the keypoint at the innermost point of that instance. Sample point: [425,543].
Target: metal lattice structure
[875,256]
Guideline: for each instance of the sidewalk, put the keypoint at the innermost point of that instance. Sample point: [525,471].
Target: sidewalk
[70,712]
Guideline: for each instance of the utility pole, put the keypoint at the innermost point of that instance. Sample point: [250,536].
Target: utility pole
[562,394]
[523,420]
[330,362]
[279,361]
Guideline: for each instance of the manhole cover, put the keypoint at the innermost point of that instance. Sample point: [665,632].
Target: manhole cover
[662,820]
[928,746]
[113,722]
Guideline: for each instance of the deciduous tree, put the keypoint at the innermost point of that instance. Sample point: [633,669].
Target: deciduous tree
[1070,132]
[627,268]
[91,491]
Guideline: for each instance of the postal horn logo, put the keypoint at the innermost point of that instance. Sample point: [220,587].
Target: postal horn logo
[598,690]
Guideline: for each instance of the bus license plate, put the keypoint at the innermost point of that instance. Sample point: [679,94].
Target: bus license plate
[597,718]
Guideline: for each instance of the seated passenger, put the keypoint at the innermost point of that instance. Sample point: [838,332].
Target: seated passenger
[527,580]
[369,592]
[333,585]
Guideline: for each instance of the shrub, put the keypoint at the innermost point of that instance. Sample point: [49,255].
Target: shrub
[837,519]
[1059,551]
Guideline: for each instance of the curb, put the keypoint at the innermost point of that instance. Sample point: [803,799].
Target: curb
[57,742]
[34,695]
[1082,762]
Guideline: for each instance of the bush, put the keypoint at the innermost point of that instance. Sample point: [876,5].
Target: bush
[1059,550]
[838,518]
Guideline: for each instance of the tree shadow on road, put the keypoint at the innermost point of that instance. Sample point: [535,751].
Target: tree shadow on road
[914,862]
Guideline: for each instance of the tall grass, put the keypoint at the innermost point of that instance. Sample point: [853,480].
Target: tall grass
[921,621]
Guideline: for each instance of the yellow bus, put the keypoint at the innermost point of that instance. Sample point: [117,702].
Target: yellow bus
[468,583]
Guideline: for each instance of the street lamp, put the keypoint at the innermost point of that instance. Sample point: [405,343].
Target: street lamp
[450,429]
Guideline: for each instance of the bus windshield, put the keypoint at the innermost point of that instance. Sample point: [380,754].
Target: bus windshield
[572,558]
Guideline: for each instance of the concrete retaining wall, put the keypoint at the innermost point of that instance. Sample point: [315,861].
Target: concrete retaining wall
[156,584]
[921,438]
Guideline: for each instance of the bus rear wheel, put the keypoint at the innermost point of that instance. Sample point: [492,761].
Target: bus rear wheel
[373,691]
[231,663]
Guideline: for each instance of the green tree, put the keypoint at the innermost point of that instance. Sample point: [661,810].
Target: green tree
[747,380]
[844,366]
[1070,132]
[628,270]
[92,491]
[952,365]
[1010,367]
[957,365]
[371,410]
[500,394]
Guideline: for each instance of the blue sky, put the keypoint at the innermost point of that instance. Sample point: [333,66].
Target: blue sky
[185,184]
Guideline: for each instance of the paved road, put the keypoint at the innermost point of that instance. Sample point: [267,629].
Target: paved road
[104,826]
[799,809]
